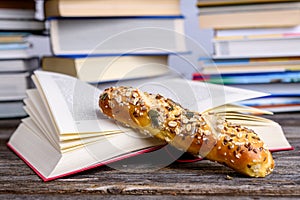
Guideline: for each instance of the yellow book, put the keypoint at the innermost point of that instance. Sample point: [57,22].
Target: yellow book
[109,8]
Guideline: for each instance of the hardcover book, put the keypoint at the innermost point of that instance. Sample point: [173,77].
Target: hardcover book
[117,36]
[96,8]
[66,132]
[97,69]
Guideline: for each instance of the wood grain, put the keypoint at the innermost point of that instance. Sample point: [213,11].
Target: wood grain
[198,180]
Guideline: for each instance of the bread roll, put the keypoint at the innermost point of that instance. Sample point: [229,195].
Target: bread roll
[203,135]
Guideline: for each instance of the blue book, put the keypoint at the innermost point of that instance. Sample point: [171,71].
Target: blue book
[14,46]
[252,78]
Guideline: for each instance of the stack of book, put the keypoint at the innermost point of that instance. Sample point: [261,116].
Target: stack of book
[17,23]
[256,46]
[100,41]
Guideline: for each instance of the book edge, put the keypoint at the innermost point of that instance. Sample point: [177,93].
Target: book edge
[118,158]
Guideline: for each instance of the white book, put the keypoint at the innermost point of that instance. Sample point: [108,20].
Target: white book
[13,86]
[21,25]
[12,109]
[144,35]
[257,47]
[256,31]
[66,132]
[19,65]
[6,13]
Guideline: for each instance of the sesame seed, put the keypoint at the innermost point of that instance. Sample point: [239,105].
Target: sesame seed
[202,123]
[135,94]
[118,99]
[177,131]
[111,104]
[239,135]
[185,120]
[227,138]
[189,127]
[238,155]
[207,132]
[127,94]
[172,123]
[143,108]
[135,101]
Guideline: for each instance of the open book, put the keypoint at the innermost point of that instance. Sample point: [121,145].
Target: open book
[66,133]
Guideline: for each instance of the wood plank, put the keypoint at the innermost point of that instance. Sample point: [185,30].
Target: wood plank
[191,180]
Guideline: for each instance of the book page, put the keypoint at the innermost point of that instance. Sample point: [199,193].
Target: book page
[74,104]
[273,136]
[193,95]
[36,108]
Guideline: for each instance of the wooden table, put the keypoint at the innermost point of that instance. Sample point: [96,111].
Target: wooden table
[199,180]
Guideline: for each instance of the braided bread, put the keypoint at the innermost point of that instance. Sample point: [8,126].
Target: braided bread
[203,135]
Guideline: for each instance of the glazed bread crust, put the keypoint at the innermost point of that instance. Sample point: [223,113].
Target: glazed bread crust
[203,135]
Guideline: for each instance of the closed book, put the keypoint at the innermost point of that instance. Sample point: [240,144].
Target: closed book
[18,65]
[12,37]
[251,78]
[249,65]
[12,110]
[21,25]
[13,86]
[96,8]
[132,35]
[14,50]
[204,3]
[13,9]
[108,68]
[6,13]
[255,32]
[281,108]
[278,89]
[17,4]
[257,47]
[250,16]
[275,104]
